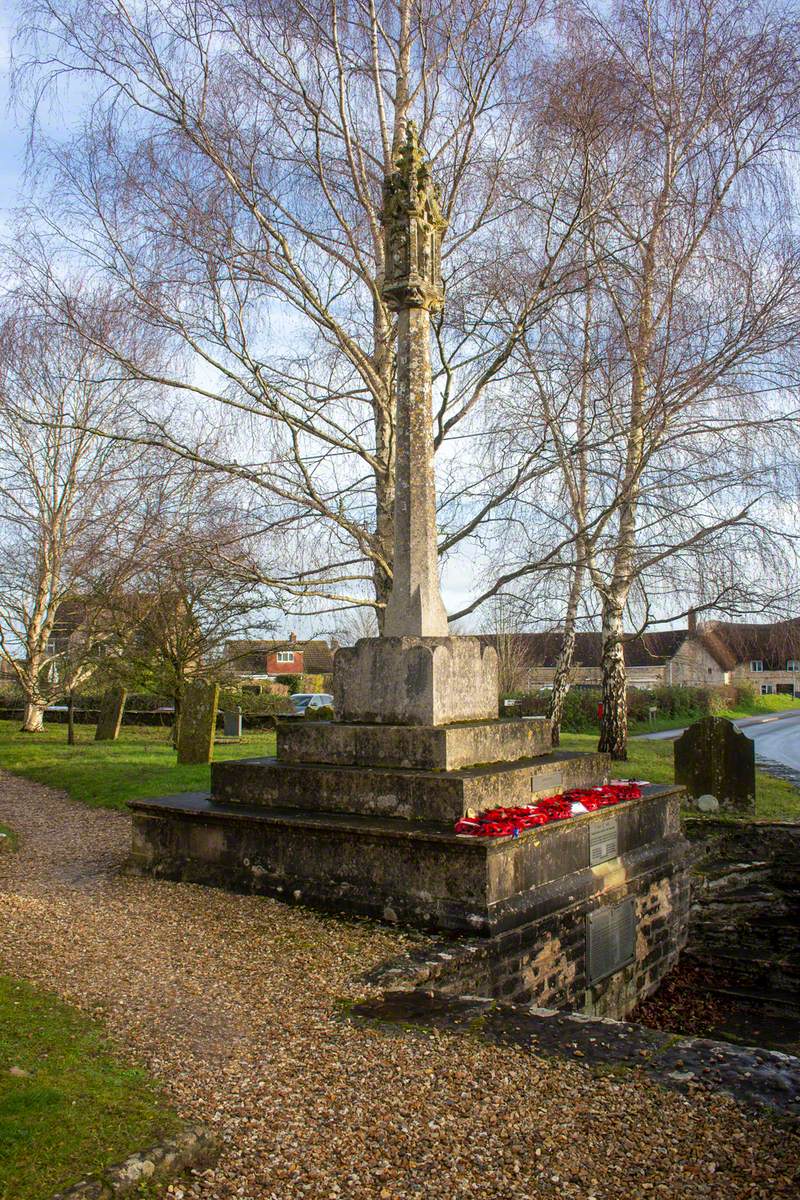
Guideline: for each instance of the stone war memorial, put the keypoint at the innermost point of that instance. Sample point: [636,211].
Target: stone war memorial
[359,814]
[715,761]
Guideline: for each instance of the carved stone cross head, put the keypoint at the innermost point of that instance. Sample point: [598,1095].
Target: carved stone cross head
[413,226]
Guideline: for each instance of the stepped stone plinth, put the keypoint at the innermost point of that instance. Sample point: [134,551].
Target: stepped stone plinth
[412,794]
[429,747]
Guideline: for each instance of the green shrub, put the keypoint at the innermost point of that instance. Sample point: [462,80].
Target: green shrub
[580,708]
[311,683]
[580,705]
[325,713]
[746,695]
[251,703]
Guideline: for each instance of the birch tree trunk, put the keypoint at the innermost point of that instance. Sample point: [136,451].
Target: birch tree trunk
[614,721]
[33,721]
[561,678]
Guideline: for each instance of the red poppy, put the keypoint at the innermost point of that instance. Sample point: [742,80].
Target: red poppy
[510,822]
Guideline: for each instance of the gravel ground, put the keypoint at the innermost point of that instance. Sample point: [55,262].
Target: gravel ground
[234,1003]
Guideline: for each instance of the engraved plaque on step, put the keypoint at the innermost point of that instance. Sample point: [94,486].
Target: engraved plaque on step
[551,784]
[611,939]
[602,841]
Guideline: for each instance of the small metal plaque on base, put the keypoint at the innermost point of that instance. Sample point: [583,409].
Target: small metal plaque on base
[611,939]
[551,784]
[603,841]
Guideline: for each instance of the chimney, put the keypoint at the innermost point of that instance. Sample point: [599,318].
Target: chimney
[692,622]
[292,638]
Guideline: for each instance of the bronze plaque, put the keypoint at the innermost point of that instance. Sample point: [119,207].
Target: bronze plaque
[611,938]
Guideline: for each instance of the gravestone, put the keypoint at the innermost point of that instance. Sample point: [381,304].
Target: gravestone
[109,719]
[198,723]
[715,759]
[232,723]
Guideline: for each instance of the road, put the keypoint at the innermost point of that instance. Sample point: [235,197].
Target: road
[777,737]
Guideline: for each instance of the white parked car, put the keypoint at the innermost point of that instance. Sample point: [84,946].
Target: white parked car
[303,701]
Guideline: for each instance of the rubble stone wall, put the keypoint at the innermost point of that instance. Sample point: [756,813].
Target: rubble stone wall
[745,912]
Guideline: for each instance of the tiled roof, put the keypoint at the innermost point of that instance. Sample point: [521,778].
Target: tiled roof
[773,643]
[648,650]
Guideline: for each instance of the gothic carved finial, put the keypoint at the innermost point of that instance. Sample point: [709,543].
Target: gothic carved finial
[412,230]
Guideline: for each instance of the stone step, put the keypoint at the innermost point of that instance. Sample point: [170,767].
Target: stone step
[442,796]
[417,871]
[422,747]
[754,962]
[734,880]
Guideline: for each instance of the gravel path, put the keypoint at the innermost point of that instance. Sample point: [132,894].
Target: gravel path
[232,1002]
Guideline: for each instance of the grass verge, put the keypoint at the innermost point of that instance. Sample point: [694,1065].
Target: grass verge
[762,706]
[108,774]
[775,798]
[77,1108]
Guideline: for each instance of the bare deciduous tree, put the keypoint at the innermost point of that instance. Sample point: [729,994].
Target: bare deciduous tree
[191,591]
[68,503]
[228,185]
[670,400]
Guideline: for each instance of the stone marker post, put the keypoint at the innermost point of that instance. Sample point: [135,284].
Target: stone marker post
[714,758]
[198,723]
[109,719]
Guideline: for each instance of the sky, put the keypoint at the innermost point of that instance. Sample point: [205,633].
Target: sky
[12,136]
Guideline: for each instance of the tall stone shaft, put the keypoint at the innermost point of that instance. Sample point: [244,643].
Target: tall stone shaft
[412,287]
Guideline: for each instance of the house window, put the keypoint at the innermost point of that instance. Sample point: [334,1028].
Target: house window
[793,664]
[285,656]
[767,689]
[757,665]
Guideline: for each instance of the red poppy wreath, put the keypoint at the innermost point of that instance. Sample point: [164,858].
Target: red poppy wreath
[511,822]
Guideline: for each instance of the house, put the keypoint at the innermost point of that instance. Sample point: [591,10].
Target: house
[269,660]
[766,655]
[704,654]
[666,658]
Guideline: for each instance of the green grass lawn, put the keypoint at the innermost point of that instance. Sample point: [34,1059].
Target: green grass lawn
[8,839]
[77,1109]
[762,706]
[653,761]
[107,774]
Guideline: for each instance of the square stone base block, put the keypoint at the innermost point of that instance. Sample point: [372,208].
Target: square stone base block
[426,747]
[405,871]
[416,681]
[399,792]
